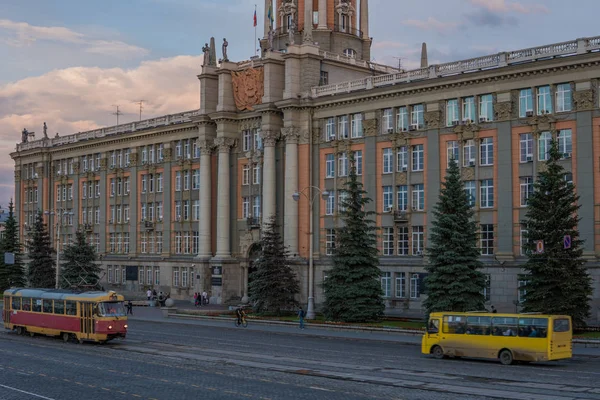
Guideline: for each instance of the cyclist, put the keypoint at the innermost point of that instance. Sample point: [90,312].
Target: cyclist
[239,314]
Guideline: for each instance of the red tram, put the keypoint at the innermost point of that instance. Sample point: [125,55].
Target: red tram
[82,316]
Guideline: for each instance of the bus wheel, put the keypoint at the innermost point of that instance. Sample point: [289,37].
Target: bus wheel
[66,337]
[437,352]
[506,357]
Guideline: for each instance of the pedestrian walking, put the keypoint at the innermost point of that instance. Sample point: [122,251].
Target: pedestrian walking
[204,298]
[149,295]
[197,299]
[494,311]
[301,317]
[129,307]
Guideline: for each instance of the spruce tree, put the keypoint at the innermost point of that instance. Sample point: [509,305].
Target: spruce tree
[11,275]
[273,285]
[557,279]
[78,268]
[42,265]
[454,282]
[352,287]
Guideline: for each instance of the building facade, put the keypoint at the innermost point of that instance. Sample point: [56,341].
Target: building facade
[178,202]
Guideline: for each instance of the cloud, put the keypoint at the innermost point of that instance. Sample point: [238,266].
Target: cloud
[387,44]
[432,24]
[500,12]
[78,99]
[23,34]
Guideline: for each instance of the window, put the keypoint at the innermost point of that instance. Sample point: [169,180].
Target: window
[186,180]
[487,289]
[471,190]
[487,239]
[330,165]
[358,161]
[257,139]
[256,207]
[386,284]
[342,198]
[246,140]
[343,127]
[175,276]
[526,186]
[487,193]
[330,129]
[357,130]
[525,103]
[347,52]
[568,177]
[563,97]
[452,151]
[324,78]
[343,165]
[329,242]
[84,190]
[544,142]
[400,285]
[403,240]
[256,174]
[387,120]
[414,286]
[417,240]
[177,181]
[245,207]
[544,100]
[402,159]
[417,116]
[486,108]
[418,197]
[159,183]
[388,163]
[451,112]
[486,149]
[388,199]
[469,155]
[388,241]
[526,147]
[418,159]
[565,145]
[330,204]
[468,109]
[523,239]
[402,119]
[195,179]
[522,291]
[402,197]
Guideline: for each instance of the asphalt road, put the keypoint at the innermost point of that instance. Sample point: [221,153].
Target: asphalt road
[164,360]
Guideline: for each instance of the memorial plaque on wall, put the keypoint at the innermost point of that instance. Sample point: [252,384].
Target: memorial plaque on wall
[131,273]
[217,275]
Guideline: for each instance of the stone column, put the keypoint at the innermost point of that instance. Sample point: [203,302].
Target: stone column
[204,245]
[364,18]
[269,138]
[307,38]
[223,218]
[322,14]
[290,227]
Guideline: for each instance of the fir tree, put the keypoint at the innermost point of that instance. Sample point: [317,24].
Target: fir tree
[42,266]
[352,287]
[11,275]
[557,279]
[273,285]
[79,268]
[454,282]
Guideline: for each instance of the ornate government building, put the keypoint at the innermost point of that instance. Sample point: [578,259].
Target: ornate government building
[177,202]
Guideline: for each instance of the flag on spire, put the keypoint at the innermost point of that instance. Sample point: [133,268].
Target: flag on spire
[270,14]
[255,21]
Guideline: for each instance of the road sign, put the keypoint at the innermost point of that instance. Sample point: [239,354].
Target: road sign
[9,258]
[567,242]
[539,246]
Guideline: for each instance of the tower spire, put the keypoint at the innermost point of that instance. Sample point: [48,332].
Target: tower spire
[308,10]
[364,18]
[424,63]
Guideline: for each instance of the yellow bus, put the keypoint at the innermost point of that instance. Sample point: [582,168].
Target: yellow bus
[507,337]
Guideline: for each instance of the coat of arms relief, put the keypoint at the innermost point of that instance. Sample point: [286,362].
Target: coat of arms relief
[248,88]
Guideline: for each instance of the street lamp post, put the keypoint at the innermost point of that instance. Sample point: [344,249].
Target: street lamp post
[311,197]
[58,225]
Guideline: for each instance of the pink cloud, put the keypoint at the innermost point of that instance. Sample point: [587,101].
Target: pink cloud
[502,6]
[432,24]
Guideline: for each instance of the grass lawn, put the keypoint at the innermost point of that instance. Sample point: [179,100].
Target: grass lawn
[587,335]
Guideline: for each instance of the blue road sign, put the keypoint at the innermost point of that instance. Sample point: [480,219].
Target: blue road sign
[567,242]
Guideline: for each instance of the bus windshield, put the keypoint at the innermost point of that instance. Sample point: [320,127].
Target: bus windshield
[111,309]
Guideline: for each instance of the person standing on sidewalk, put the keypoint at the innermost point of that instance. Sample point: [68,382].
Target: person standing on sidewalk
[149,295]
[301,317]
[129,307]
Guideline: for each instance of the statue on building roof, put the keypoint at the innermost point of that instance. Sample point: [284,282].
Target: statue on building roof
[206,52]
[270,38]
[224,48]
[24,135]
[292,31]
[45,131]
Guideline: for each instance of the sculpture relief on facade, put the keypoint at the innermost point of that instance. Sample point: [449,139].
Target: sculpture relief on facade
[17,175]
[370,127]
[39,171]
[206,147]
[269,138]
[467,131]
[542,166]
[103,163]
[291,134]
[133,159]
[583,99]
[76,167]
[401,178]
[541,123]
[248,88]
[168,154]
[432,119]
[503,110]
[224,144]
[467,174]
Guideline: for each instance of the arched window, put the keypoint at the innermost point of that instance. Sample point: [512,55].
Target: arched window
[350,53]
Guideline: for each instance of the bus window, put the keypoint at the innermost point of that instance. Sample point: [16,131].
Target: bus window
[478,325]
[504,326]
[533,327]
[112,308]
[16,303]
[561,325]
[454,324]
[59,307]
[47,306]
[37,305]
[26,304]
[71,307]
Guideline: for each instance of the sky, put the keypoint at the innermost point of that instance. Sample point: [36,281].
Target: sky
[70,62]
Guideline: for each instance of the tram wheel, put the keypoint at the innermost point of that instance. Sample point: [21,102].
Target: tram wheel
[20,330]
[66,337]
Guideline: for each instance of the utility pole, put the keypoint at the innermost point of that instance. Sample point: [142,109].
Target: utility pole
[399,62]
[117,113]
[141,104]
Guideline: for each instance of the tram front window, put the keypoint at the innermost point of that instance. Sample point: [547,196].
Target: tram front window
[111,309]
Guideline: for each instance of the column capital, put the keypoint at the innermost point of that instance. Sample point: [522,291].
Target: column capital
[291,134]
[224,144]
[269,137]
[206,147]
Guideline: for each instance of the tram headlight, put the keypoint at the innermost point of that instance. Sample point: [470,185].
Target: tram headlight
[110,327]
[125,326]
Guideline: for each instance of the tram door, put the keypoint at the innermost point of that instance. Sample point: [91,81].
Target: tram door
[87,320]
[6,316]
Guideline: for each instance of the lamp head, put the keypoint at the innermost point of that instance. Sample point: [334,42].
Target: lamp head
[325,194]
[296,196]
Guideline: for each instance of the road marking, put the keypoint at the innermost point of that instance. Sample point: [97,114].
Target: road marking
[29,393]
[320,388]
